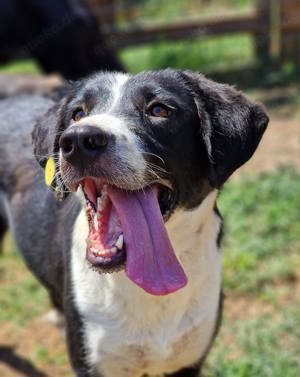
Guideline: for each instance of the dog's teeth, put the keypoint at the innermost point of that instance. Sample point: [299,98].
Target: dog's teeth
[119,243]
[100,259]
[96,223]
[99,203]
[98,252]
[113,250]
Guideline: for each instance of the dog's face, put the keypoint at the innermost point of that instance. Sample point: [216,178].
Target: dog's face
[140,146]
[141,124]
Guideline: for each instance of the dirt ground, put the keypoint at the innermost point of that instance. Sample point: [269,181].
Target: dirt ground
[280,146]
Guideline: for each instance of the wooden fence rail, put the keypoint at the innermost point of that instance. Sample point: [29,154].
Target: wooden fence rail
[182,30]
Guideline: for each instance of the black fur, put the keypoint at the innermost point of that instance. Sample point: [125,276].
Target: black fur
[3,229]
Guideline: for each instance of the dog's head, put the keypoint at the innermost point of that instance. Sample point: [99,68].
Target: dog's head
[138,147]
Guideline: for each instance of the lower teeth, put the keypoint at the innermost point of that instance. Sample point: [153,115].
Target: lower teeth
[103,253]
[114,250]
[120,241]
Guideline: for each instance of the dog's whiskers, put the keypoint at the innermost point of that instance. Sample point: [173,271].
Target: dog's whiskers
[157,168]
[156,156]
[54,155]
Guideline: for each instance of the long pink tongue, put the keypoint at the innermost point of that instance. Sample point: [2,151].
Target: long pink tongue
[151,261]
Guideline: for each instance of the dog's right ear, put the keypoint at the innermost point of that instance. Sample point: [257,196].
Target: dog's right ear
[45,140]
[46,132]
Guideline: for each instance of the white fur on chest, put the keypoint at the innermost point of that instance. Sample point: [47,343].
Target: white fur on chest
[129,332]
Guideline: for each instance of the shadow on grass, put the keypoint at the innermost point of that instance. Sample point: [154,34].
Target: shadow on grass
[9,357]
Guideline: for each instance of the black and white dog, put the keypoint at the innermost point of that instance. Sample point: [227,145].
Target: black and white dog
[146,154]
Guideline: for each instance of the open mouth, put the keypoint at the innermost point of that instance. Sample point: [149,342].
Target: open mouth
[105,242]
[126,228]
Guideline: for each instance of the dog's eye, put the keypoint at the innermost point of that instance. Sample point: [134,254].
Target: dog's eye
[158,110]
[78,114]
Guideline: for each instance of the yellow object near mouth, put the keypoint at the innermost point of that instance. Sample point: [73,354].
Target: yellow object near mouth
[49,171]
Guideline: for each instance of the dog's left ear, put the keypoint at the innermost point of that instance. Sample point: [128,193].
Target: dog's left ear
[45,139]
[231,125]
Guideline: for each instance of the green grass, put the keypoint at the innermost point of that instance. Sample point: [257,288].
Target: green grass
[22,297]
[262,230]
[207,54]
[23,66]
[42,355]
[265,348]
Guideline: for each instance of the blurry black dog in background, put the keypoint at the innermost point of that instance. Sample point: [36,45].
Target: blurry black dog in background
[62,35]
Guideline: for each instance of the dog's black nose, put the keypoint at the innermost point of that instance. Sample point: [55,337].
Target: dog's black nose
[82,144]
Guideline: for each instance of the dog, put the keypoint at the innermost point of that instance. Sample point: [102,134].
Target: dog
[136,163]
[63,36]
